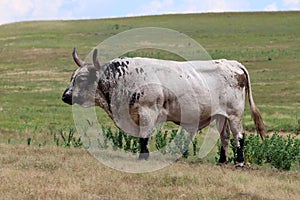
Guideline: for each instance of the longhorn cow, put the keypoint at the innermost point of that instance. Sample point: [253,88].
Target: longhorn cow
[139,93]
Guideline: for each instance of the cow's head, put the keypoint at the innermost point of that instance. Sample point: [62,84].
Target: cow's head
[83,85]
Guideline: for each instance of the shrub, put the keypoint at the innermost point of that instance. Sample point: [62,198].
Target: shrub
[276,150]
[181,143]
[161,141]
[118,140]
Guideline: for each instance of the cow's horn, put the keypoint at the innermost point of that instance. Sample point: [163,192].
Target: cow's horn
[77,60]
[95,60]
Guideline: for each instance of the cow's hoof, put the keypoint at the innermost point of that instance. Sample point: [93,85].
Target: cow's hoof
[239,166]
[144,156]
[222,160]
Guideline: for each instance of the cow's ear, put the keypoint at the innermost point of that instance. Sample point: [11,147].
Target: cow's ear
[95,60]
[77,60]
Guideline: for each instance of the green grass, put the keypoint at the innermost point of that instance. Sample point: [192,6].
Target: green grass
[36,63]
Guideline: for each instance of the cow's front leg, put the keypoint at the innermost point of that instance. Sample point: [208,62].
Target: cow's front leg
[147,119]
[144,152]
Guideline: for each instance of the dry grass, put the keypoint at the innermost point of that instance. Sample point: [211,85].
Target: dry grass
[58,173]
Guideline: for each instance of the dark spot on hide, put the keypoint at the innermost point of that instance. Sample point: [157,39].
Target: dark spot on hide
[124,64]
[123,71]
[135,97]
[117,68]
[132,99]
[241,80]
[139,70]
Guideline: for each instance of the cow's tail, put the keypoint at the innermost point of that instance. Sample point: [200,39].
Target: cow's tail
[259,124]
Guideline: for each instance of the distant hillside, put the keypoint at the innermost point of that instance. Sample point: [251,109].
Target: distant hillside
[35,61]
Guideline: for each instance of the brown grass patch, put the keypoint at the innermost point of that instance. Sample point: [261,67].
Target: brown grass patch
[58,173]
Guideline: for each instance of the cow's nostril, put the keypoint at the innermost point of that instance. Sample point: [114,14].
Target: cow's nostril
[67,99]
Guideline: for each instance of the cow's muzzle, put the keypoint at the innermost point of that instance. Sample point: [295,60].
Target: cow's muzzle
[67,97]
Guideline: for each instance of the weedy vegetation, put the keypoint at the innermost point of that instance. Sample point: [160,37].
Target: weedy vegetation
[277,151]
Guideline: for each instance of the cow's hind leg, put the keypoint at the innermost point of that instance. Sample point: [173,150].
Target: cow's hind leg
[144,152]
[223,128]
[238,134]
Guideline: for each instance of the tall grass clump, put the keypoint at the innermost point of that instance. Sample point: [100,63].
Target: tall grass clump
[67,138]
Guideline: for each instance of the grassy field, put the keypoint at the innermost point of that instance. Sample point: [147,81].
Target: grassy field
[35,68]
